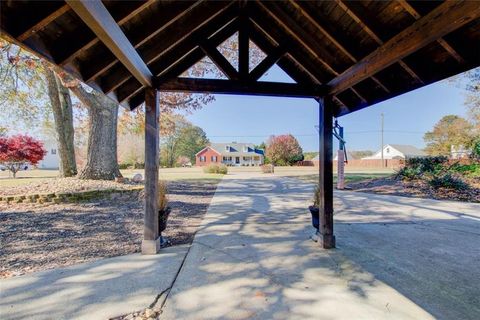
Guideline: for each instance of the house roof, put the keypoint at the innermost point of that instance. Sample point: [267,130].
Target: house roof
[408,150]
[236,149]
[359,52]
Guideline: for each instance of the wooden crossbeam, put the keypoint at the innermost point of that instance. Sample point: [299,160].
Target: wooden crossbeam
[220,61]
[43,23]
[444,19]
[243,49]
[267,63]
[354,13]
[287,63]
[75,49]
[242,88]
[99,20]
[414,13]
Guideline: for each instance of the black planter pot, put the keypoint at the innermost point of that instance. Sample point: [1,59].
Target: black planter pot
[162,219]
[315,216]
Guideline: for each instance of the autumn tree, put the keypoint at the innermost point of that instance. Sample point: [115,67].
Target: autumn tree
[284,150]
[450,130]
[31,91]
[18,150]
[184,140]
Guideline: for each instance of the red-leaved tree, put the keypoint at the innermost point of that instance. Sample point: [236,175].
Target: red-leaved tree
[17,151]
[284,150]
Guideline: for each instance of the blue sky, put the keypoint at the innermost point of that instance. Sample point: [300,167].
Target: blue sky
[253,119]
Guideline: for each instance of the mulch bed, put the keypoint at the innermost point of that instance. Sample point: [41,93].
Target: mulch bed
[65,185]
[39,237]
[417,188]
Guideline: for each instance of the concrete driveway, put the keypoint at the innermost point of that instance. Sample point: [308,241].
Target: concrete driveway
[396,258]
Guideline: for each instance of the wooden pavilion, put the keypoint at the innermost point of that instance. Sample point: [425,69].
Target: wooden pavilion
[347,55]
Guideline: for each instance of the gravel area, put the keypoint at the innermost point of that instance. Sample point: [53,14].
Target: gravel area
[417,188]
[64,185]
[40,237]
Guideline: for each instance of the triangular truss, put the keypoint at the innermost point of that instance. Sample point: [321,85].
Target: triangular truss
[242,78]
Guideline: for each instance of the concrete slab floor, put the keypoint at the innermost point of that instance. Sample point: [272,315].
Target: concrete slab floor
[396,258]
[97,290]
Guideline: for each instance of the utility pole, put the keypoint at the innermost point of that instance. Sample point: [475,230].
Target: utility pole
[383,161]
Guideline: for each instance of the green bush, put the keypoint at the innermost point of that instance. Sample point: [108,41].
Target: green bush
[123,166]
[448,181]
[416,168]
[469,170]
[215,168]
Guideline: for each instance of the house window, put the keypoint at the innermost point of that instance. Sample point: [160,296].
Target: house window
[203,158]
[214,158]
[53,151]
[388,150]
[227,148]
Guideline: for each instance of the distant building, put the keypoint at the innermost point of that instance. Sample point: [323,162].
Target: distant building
[52,158]
[397,151]
[234,154]
[459,152]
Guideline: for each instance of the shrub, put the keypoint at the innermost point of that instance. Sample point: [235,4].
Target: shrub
[415,168]
[408,173]
[162,195]
[316,196]
[469,170]
[448,181]
[123,166]
[214,168]
[267,168]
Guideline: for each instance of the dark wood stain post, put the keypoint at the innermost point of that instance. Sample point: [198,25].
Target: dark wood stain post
[151,241]
[325,180]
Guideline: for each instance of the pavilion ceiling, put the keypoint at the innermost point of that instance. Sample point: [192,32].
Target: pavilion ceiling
[362,52]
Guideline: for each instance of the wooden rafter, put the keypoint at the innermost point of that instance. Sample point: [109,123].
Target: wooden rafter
[181,57]
[43,23]
[444,19]
[220,61]
[239,87]
[336,39]
[287,63]
[293,30]
[414,13]
[99,20]
[176,24]
[78,48]
[357,17]
[267,63]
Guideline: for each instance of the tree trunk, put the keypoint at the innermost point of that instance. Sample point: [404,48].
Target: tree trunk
[63,117]
[102,136]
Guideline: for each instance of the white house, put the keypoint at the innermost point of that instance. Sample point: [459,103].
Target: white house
[51,159]
[459,152]
[397,151]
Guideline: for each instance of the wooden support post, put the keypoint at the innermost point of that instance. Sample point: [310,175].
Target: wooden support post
[325,119]
[151,240]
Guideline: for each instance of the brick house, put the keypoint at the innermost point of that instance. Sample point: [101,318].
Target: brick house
[231,154]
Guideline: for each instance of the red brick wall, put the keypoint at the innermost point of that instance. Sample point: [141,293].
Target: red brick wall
[208,153]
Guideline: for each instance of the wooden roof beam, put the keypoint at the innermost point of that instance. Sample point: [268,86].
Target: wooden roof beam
[355,15]
[444,19]
[299,35]
[414,13]
[99,20]
[238,87]
[43,23]
[267,63]
[220,61]
[81,47]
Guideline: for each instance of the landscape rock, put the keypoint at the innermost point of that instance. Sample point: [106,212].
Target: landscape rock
[137,178]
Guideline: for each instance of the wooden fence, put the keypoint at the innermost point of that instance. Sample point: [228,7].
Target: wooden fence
[360,164]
